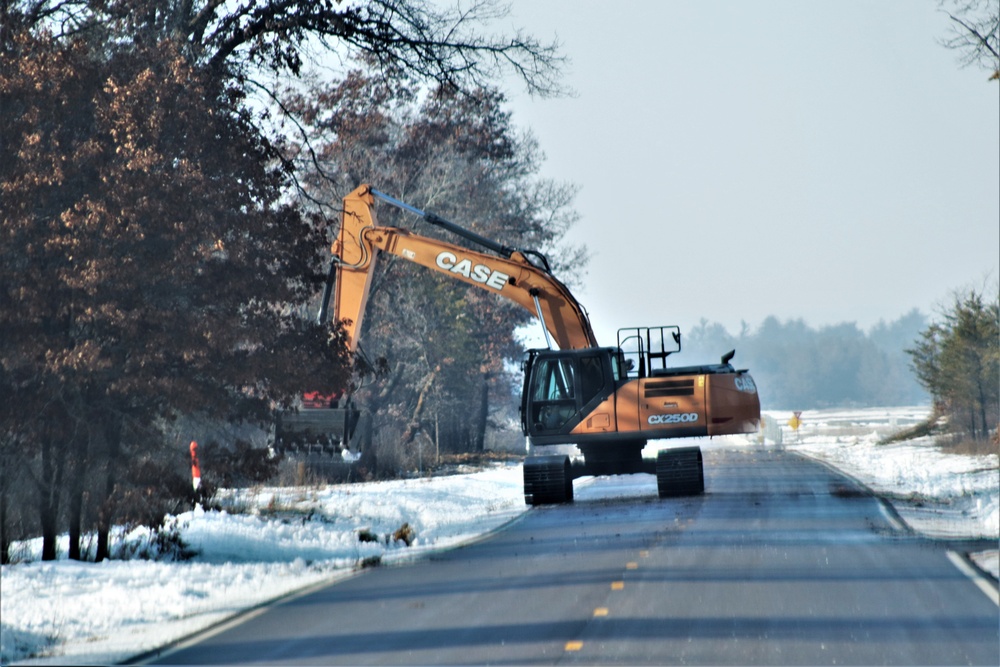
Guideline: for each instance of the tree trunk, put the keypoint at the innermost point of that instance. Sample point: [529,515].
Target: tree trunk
[361,443]
[479,439]
[47,517]
[4,528]
[74,494]
[49,485]
[75,500]
[414,426]
[112,438]
[10,470]
[985,430]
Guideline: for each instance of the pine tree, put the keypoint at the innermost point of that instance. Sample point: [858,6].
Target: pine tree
[958,361]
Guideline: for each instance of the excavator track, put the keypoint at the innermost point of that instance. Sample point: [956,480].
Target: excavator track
[680,472]
[548,480]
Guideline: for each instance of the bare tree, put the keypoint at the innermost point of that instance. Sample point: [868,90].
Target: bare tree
[975,33]
[462,157]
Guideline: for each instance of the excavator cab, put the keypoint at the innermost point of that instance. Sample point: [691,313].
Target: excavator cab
[563,386]
[609,402]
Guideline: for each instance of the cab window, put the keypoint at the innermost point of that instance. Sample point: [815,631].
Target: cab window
[556,380]
[591,378]
[553,395]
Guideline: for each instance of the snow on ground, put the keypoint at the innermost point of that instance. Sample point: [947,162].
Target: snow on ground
[940,495]
[282,541]
[273,542]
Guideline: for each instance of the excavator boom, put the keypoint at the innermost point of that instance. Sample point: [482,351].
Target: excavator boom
[514,276]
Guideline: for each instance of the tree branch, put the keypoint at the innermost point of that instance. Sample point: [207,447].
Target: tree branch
[976,36]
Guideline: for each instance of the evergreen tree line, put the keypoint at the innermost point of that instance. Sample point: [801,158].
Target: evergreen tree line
[797,366]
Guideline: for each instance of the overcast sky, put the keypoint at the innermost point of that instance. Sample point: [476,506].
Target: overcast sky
[824,160]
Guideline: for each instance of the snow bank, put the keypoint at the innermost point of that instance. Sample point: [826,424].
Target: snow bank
[66,611]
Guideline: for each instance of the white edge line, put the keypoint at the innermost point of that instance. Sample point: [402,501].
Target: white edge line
[885,507]
[890,516]
[984,585]
[236,619]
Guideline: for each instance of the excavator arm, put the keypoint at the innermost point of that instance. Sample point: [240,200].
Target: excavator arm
[513,275]
[597,398]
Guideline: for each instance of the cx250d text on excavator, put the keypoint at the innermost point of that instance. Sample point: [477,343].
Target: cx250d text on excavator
[608,401]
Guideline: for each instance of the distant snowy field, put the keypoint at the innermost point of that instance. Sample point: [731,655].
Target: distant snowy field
[285,540]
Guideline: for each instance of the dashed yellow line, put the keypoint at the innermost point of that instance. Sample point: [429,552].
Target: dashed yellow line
[599,612]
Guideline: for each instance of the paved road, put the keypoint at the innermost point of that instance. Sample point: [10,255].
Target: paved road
[780,562]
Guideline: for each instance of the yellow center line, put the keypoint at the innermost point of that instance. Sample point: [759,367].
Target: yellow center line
[617,585]
[601,611]
[574,646]
[631,566]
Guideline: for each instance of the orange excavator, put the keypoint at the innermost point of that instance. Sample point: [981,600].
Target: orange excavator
[608,401]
